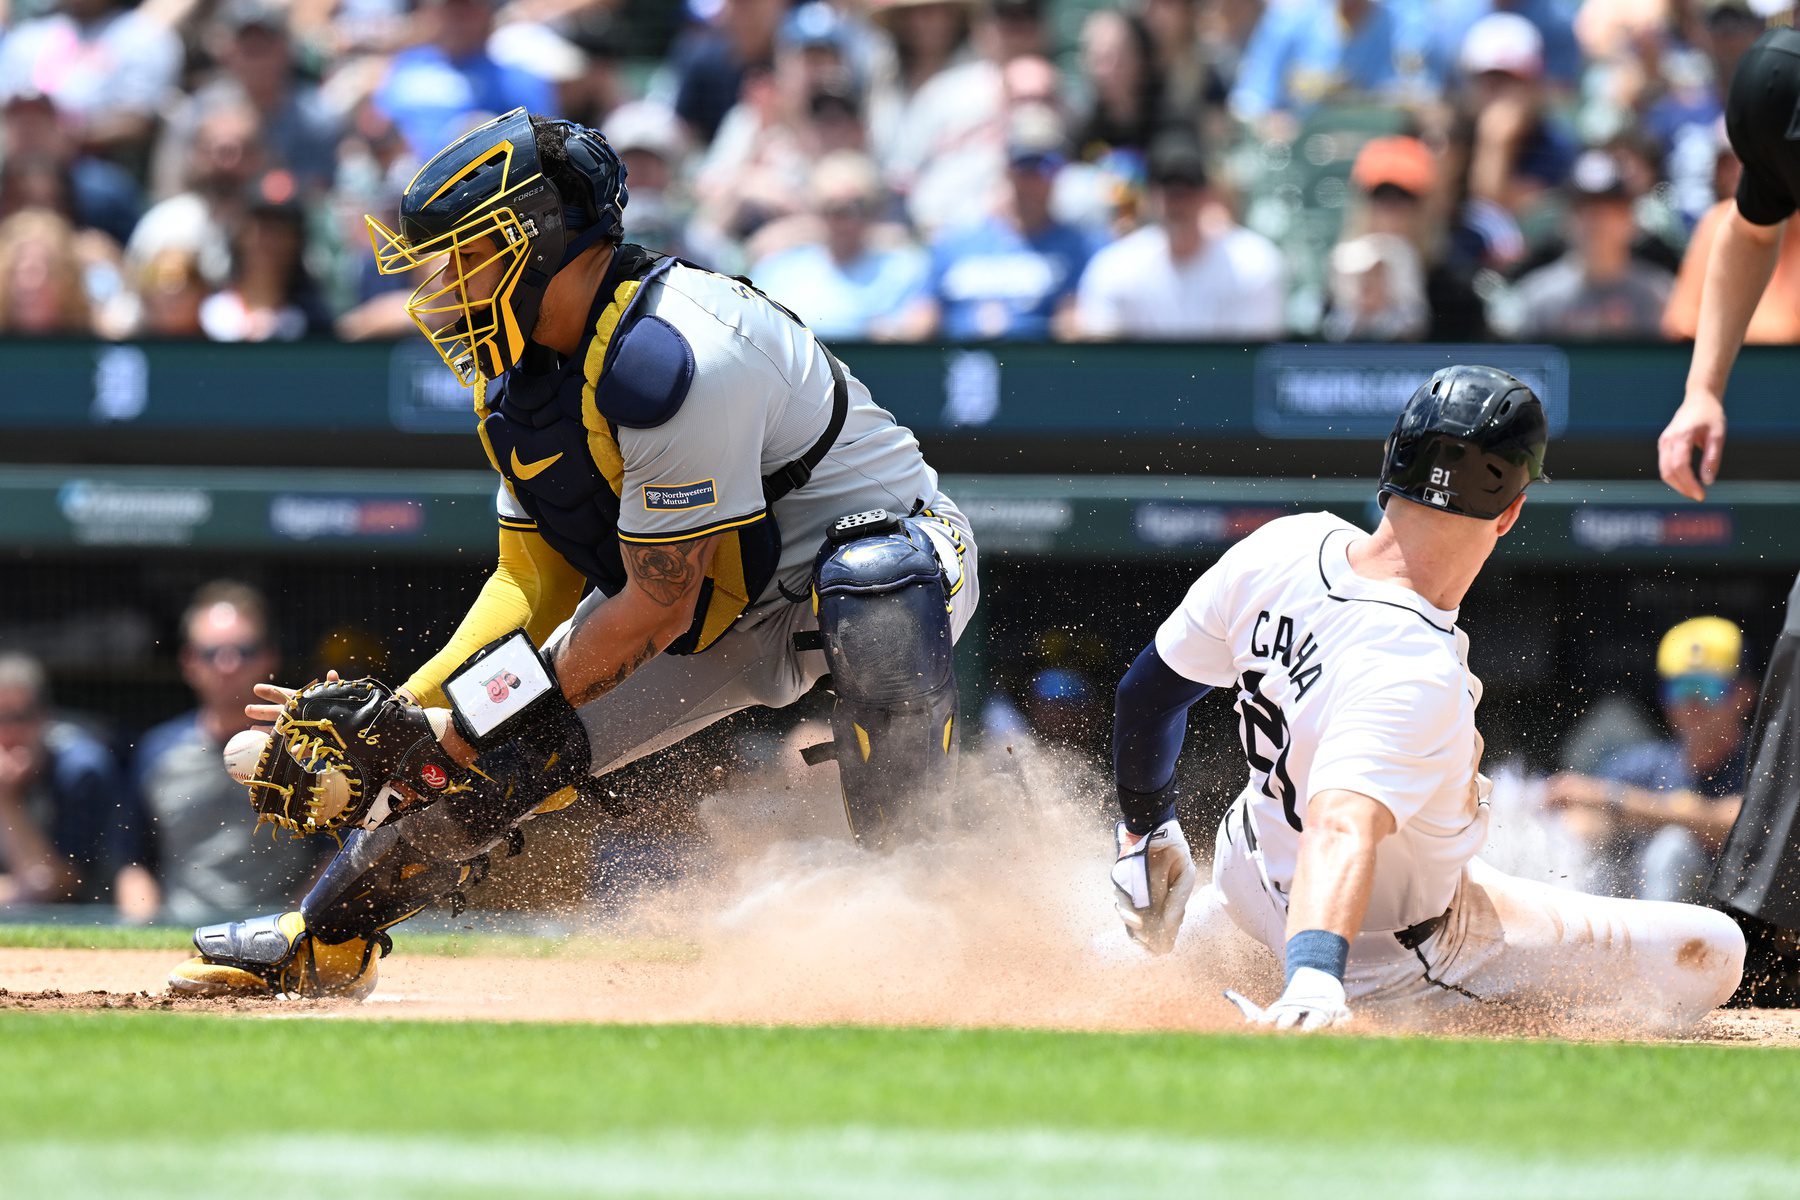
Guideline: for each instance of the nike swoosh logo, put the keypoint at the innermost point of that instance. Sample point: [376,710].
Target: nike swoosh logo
[532,469]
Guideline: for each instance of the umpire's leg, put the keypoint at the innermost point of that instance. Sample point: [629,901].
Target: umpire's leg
[1758,876]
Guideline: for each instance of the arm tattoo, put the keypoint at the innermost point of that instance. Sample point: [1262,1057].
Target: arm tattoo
[600,687]
[665,573]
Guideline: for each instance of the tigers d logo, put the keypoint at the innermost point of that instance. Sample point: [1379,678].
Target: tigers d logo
[433,776]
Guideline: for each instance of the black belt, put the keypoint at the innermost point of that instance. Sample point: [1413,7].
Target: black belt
[1414,936]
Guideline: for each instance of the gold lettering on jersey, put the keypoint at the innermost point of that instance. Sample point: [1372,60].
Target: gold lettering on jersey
[1278,646]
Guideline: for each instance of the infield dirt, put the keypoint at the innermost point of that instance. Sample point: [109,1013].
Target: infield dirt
[578,990]
[1005,920]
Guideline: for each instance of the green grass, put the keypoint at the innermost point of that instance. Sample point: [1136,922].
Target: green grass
[145,1104]
[448,945]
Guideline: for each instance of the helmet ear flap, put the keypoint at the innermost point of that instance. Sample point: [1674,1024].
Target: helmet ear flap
[603,176]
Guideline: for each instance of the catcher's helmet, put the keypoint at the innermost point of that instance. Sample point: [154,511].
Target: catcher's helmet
[491,185]
[1468,442]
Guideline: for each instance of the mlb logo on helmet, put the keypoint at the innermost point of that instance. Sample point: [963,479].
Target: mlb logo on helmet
[1433,496]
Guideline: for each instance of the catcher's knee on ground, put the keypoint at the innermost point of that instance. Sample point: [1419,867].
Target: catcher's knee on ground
[884,617]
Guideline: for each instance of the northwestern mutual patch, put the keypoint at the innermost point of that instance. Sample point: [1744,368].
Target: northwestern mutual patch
[679,497]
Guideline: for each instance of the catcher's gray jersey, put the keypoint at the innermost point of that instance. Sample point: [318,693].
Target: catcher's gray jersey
[761,394]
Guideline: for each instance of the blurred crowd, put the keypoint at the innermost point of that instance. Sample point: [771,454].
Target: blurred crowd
[905,169]
[156,829]
[162,831]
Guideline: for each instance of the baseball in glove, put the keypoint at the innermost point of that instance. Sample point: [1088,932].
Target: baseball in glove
[345,754]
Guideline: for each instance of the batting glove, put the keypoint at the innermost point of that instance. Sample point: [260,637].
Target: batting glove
[1151,885]
[1313,1000]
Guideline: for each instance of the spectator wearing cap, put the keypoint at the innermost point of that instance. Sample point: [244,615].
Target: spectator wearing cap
[1192,273]
[270,296]
[435,91]
[1554,20]
[1395,187]
[577,63]
[1656,812]
[1511,150]
[100,194]
[712,66]
[207,858]
[756,170]
[1597,289]
[1377,288]
[66,820]
[108,67]
[1309,52]
[1012,274]
[1776,320]
[851,282]
[1685,117]
[650,141]
[296,129]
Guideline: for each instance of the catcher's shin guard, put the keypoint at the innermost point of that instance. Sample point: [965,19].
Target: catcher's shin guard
[885,619]
[377,880]
[331,945]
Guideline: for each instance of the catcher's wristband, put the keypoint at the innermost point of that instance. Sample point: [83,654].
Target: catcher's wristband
[501,689]
[506,703]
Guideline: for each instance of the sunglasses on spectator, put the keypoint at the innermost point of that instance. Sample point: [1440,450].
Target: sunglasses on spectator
[847,209]
[19,716]
[1709,690]
[242,651]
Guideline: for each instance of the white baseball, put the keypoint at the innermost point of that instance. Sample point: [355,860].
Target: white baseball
[243,751]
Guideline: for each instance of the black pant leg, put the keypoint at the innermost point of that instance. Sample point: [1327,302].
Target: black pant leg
[1759,868]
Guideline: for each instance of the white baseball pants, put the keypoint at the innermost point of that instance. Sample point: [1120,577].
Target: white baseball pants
[1513,954]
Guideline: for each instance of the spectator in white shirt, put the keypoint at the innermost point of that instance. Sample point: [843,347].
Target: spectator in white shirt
[1191,274]
[106,65]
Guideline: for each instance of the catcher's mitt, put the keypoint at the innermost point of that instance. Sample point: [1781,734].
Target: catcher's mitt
[336,748]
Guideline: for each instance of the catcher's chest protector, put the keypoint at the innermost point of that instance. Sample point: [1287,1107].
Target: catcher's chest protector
[553,436]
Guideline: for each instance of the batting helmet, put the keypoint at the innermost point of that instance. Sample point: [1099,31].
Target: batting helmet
[490,192]
[1468,442]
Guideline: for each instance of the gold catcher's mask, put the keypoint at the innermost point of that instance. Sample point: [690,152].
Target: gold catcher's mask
[491,223]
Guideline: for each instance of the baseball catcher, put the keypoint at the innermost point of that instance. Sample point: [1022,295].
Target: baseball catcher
[1351,852]
[700,510]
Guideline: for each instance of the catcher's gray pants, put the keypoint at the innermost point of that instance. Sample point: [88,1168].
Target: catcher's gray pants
[1514,952]
[674,696]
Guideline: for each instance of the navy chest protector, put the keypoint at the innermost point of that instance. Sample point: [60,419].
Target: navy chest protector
[553,435]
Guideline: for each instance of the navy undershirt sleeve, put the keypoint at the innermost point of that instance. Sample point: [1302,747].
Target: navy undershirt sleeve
[1149,725]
